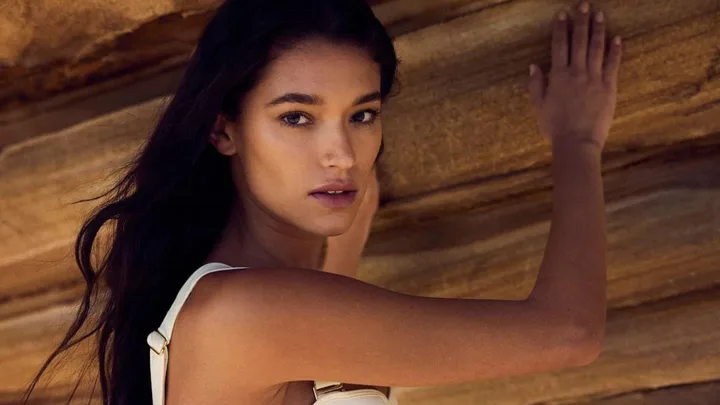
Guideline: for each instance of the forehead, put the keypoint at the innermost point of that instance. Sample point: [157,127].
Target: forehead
[314,65]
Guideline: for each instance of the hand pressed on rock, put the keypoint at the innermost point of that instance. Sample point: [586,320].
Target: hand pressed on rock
[578,103]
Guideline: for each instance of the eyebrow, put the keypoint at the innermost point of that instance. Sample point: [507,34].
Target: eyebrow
[313,99]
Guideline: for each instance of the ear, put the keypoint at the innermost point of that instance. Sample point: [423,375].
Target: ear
[220,136]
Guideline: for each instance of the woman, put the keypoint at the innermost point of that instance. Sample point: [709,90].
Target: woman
[279,107]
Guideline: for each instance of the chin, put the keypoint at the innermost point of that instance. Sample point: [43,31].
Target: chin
[334,226]
[335,231]
[331,234]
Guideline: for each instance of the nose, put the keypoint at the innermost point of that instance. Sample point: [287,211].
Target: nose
[338,150]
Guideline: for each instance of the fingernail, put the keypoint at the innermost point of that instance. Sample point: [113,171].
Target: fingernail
[562,16]
[599,17]
[617,40]
[584,7]
[532,70]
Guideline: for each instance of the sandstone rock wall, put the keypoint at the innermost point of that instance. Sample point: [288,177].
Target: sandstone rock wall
[465,179]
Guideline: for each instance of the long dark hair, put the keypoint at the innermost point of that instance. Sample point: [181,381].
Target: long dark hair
[168,209]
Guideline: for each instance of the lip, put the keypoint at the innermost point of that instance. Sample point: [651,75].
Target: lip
[336,185]
[343,200]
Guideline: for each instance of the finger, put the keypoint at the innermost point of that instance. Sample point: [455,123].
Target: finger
[536,86]
[597,46]
[612,67]
[580,37]
[560,41]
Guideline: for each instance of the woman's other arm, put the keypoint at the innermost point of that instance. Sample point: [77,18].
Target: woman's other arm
[345,251]
[575,113]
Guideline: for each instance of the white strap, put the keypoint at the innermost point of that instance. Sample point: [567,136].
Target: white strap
[323,388]
[159,339]
[320,388]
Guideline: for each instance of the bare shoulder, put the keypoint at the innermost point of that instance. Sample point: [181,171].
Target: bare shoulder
[199,358]
[266,326]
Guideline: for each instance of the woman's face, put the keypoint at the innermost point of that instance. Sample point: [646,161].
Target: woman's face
[285,147]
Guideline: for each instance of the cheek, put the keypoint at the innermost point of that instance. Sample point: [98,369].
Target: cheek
[267,143]
[273,185]
[275,161]
[273,141]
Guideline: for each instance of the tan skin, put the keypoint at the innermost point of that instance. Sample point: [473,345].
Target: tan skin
[221,350]
[275,167]
[282,225]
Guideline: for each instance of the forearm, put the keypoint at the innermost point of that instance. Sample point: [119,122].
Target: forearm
[572,277]
[343,258]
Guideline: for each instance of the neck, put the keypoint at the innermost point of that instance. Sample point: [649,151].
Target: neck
[254,239]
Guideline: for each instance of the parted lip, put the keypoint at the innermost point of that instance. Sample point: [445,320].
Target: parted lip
[336,185]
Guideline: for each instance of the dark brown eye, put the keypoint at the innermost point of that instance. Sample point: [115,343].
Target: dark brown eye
[372,115]
[293,119]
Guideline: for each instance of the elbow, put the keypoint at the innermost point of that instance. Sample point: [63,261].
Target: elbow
[587,344]
[589,352]
[582,340]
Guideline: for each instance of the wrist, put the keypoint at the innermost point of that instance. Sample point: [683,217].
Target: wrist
[577,147]
[342,258]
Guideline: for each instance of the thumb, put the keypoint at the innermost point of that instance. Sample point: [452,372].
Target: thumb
[536,86]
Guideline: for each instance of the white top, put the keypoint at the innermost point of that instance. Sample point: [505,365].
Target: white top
[326,392]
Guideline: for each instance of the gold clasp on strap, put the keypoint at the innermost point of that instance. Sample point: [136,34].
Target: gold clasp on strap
[324,390]
[157,342]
